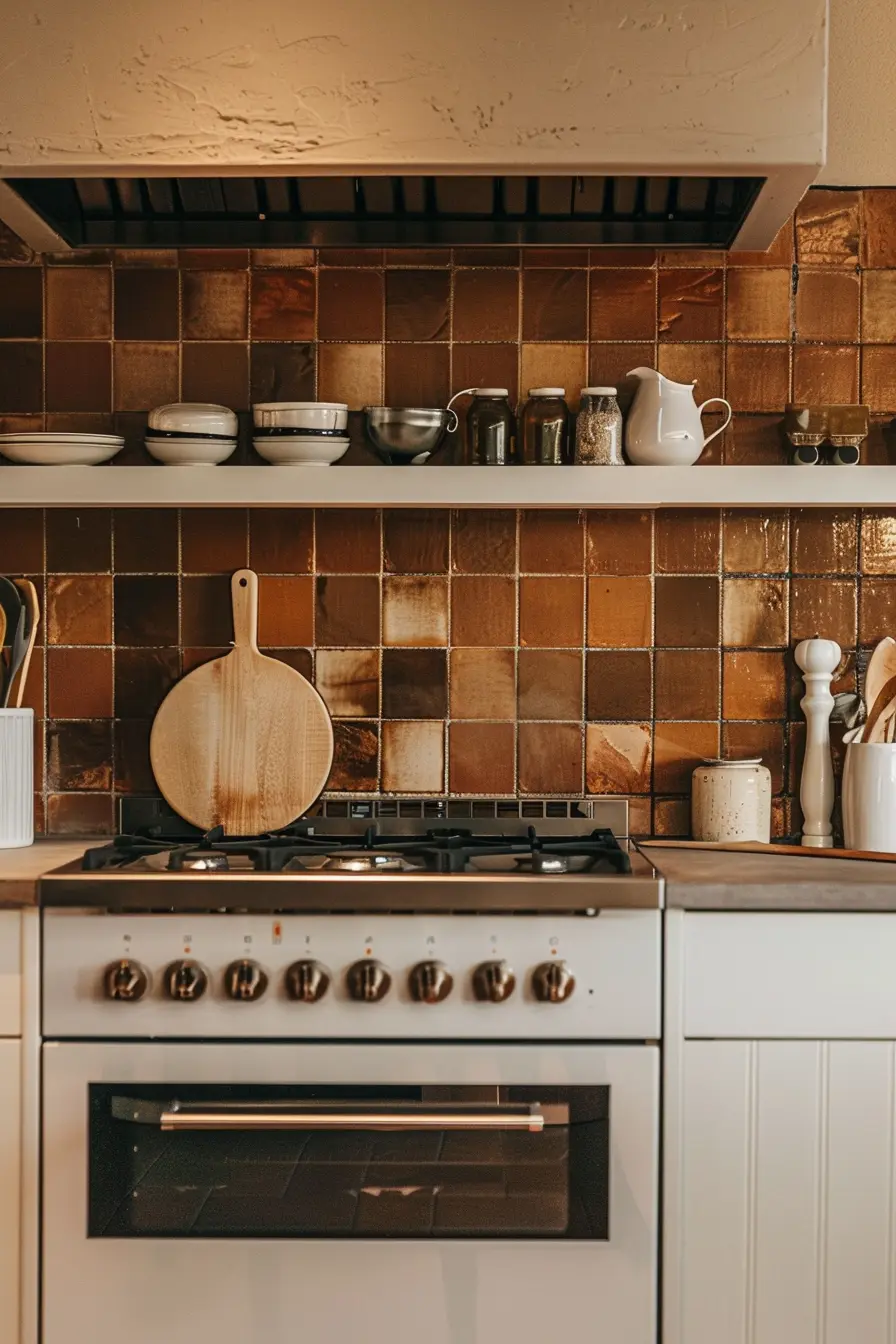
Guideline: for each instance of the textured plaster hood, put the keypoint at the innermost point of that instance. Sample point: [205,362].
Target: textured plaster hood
[564,121]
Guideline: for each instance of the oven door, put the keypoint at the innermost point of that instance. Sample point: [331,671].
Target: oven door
[462,1194]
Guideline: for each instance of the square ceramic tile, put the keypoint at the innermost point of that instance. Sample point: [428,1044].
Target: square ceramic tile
[146,374]
[704,364]
[487,305]
[824,542]
[285,611]
[753,685]
[746,741]
[415,684]
[146,610]
[413,757]
[618,684]
[282,305]
[79,814]
[755,542]
[356,749]
[481,758]
[351,305]
[483,611]
[282,371]
[417,375]
[758,377]
[348,541]
[688,683]
[552,612]
[79,304]
[145,541]
[22,303]
[555,305]
[216,371]
[351,373]
[758,305]
[827,306]
[551,541]
[348,611]
[483,541]
[487,365]
[879,378]
[678,749]
[879,227]
[687,613]
[79,683]
[79,756]
[146,305]
[417,305]
[618,542]
[214,541]
[828,228]
[78,376]
[691,304]
[878,541]
[620,612]
[78,541]
[483,683]
[623,305]
[143,677]
[826,374]
[550,684]
[21,378]
[876,599]
[281,541]
[206,613]
[79,609]
[558,365]
[686,541]
[617,758]
[21,540]
[754,613]
[415,611]
[215,306]
[550,758]
[823,606]
[415,541]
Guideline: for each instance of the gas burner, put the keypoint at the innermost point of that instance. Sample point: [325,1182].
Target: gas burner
[536,861]
[354,861]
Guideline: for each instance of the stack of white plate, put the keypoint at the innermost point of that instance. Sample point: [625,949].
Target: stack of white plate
[191,434]
[53,449]
[301,433]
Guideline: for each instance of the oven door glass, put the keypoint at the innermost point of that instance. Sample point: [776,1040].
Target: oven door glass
[247,1161]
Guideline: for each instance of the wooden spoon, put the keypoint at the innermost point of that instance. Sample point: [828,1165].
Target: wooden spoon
[32,621]
[883,708]
[881,669]
[11,602]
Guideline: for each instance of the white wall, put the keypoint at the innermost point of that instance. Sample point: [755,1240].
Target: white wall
[862,97]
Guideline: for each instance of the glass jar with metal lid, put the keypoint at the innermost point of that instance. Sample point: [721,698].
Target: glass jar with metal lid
[544,428]
[491,428]
[599,429]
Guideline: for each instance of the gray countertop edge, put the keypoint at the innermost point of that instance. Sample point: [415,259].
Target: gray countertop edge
[710,880]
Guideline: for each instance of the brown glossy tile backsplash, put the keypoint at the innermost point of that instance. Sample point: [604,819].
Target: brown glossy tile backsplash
[490,653]
[477,652]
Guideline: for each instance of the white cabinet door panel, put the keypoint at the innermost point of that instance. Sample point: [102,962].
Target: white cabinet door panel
[10,973]
[10,1197]
[788,1194]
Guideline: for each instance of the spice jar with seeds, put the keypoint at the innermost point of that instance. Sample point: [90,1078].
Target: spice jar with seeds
[599,429]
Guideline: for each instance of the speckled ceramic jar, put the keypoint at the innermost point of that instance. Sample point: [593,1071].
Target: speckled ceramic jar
[731,800]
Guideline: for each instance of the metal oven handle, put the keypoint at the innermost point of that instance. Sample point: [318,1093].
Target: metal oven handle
[291,1116]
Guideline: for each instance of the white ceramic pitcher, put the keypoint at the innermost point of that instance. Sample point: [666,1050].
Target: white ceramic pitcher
[664,428]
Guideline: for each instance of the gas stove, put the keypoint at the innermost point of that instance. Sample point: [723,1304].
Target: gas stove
[400,860]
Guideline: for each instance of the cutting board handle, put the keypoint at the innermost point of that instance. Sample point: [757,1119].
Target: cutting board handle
[244,596]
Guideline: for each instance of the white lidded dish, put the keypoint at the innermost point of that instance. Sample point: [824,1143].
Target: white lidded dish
[197,419]
[297,450]
[184,451]
[307,415]
[60,450]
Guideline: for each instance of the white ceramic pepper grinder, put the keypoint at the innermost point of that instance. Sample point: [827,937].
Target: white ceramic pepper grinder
[817,659]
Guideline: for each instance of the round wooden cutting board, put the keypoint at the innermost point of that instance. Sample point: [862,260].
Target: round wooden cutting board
[244,741]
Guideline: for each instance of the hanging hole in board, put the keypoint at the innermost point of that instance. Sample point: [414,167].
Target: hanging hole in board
[244,583]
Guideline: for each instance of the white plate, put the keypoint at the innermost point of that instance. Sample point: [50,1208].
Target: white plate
[300,415]
[60,450]
[190,452]
[296,451]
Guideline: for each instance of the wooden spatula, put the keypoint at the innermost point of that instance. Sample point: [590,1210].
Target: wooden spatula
[32,621]
[881,669]
[244,741]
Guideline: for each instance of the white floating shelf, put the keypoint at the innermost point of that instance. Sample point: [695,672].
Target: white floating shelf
[450,487]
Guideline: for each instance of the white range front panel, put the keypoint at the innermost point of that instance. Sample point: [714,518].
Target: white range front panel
[614,956]
[268,1292]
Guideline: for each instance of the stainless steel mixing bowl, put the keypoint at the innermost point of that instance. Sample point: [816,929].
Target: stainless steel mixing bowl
[403,434]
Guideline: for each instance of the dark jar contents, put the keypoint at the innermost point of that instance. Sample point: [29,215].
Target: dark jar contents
[491,428]
[544,428]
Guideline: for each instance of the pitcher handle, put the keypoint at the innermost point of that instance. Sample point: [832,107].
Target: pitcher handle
[718,431]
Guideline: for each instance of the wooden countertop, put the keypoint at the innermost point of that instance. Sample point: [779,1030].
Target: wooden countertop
[21,868]
[710,880]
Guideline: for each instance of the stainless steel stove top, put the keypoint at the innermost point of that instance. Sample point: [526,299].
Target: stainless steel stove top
[380,858]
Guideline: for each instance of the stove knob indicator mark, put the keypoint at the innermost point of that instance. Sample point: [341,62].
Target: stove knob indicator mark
[493,981]
[553,982]
[307,981]
[245,981]
[368,981]
[125,981]
[186,980]
[430,982]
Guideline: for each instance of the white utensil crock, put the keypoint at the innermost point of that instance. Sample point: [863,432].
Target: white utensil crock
[16,778]
[731,801]
[869,796]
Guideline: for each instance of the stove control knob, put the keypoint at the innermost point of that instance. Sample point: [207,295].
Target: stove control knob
[430,982]
[125,981]
[245,981]
[553,982]
[186,980]
[307,981]
[368,981]
[493,981]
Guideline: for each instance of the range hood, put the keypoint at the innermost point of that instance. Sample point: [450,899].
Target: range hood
[486,123]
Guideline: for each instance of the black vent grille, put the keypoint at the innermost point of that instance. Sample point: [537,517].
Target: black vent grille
[392,211]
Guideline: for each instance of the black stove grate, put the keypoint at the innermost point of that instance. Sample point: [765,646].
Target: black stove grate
[446,849]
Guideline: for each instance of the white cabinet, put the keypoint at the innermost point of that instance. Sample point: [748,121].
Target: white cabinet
[780,1154]
[10,1187]
[788,1197]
